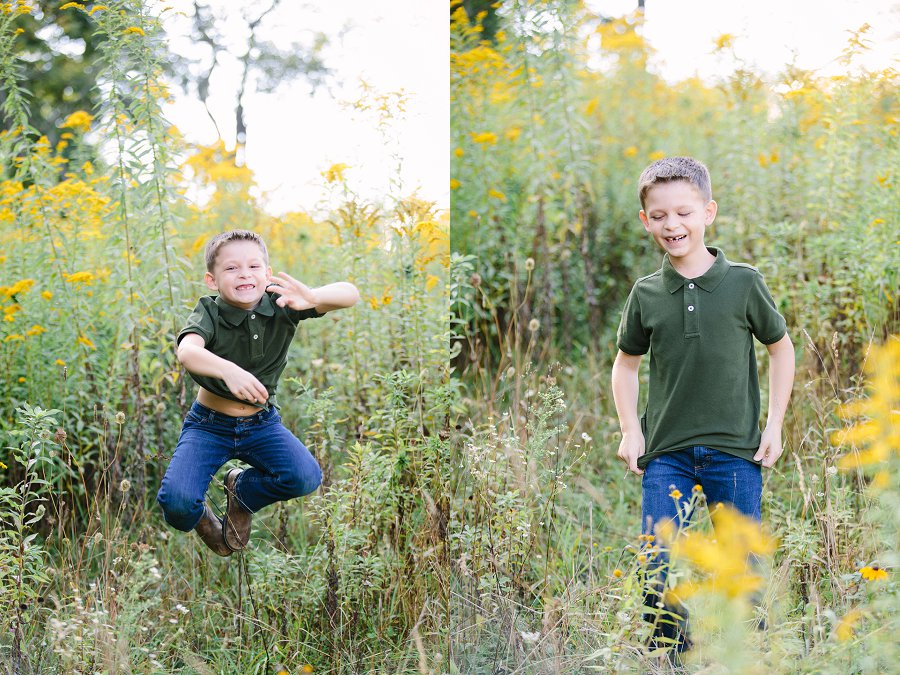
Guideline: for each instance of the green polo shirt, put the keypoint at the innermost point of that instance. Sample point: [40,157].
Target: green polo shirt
[257,340]
[704,386]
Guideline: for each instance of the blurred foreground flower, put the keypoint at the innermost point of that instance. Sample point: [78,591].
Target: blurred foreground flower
[725,558]
[879,431]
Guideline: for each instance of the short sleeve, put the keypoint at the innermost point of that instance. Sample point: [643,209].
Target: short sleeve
[200,322]
[296,316]
[632,337]
[766,323]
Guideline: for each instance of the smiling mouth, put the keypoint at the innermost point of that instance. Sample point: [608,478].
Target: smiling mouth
[246,287]
[673,240]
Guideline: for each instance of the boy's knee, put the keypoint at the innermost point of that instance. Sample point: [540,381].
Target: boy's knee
[304,479]
[180,510]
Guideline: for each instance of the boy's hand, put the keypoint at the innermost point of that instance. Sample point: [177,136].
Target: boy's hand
[244,385]
[630,448]
[769,447]
[294,294]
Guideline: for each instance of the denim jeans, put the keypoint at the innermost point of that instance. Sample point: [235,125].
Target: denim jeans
[724,478]
[282,467]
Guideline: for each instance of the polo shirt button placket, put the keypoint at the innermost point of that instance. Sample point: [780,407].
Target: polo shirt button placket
[691,318]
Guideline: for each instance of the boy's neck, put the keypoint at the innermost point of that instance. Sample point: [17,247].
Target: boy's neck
[696,266]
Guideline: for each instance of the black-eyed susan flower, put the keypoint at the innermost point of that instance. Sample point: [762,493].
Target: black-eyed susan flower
[873,573]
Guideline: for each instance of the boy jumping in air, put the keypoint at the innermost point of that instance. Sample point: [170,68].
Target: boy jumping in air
[235,347]
[697,316]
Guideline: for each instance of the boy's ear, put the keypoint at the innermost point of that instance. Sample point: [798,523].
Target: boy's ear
[643,217]
[711,210]
[210,282]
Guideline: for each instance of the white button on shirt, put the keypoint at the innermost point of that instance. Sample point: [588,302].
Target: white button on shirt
[690,285]
[690,309]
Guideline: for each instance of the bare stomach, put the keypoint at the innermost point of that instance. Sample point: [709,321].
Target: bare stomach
[224,405]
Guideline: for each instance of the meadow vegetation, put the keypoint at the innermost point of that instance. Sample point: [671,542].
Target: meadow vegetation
[102,237]
[553,119]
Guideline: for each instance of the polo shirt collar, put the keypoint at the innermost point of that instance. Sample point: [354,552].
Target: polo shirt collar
[707,281]
[235,315]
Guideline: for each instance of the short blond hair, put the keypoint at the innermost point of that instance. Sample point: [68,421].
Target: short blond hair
[220,240]
[671,169]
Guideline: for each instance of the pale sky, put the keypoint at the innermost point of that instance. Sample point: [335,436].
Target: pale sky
[292,137]
[769,33]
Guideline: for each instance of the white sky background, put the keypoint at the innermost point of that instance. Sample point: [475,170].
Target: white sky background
[769,33]
[293,137]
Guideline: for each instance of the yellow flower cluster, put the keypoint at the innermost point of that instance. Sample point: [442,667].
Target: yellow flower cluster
[78,120]
[335,173]
[725,558]
[879,431]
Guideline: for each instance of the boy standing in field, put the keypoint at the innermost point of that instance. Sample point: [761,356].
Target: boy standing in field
[235,348]
[697,317]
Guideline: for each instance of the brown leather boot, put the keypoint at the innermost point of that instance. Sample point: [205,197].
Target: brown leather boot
[210,530]
[236,526]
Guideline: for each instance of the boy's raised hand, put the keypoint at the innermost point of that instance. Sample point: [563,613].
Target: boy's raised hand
[294,294]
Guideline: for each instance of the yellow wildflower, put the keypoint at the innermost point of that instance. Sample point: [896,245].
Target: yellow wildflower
[335,172]
[47,295]
[21,380]
[724,41]
[13,337]
[454,184]
[880,432]
[513,133]
[496,194]
[72,5]
[3,466]
[675,494]
[657,154]
[82,340]
[473,214]
[459,152]
[617,573]
[80,278]
[35,330]
[873,573]
[630,151]
[78,120]
[725,559]
[22,286]
[306,668]
[60,362]
[136,30]
[485,138]
[97,8]
[697,488]
[845,628]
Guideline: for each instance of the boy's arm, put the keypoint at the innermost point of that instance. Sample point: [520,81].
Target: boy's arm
[625,395]
[297,295]
[781,381]
[197,359]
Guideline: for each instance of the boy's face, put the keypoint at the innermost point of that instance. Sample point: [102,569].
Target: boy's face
[676,216]
[240,274]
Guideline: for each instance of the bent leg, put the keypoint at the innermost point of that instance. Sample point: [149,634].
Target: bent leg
[198,455]
[283,468]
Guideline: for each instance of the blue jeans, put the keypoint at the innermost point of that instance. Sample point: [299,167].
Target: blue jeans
[725,478]
[282,467]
